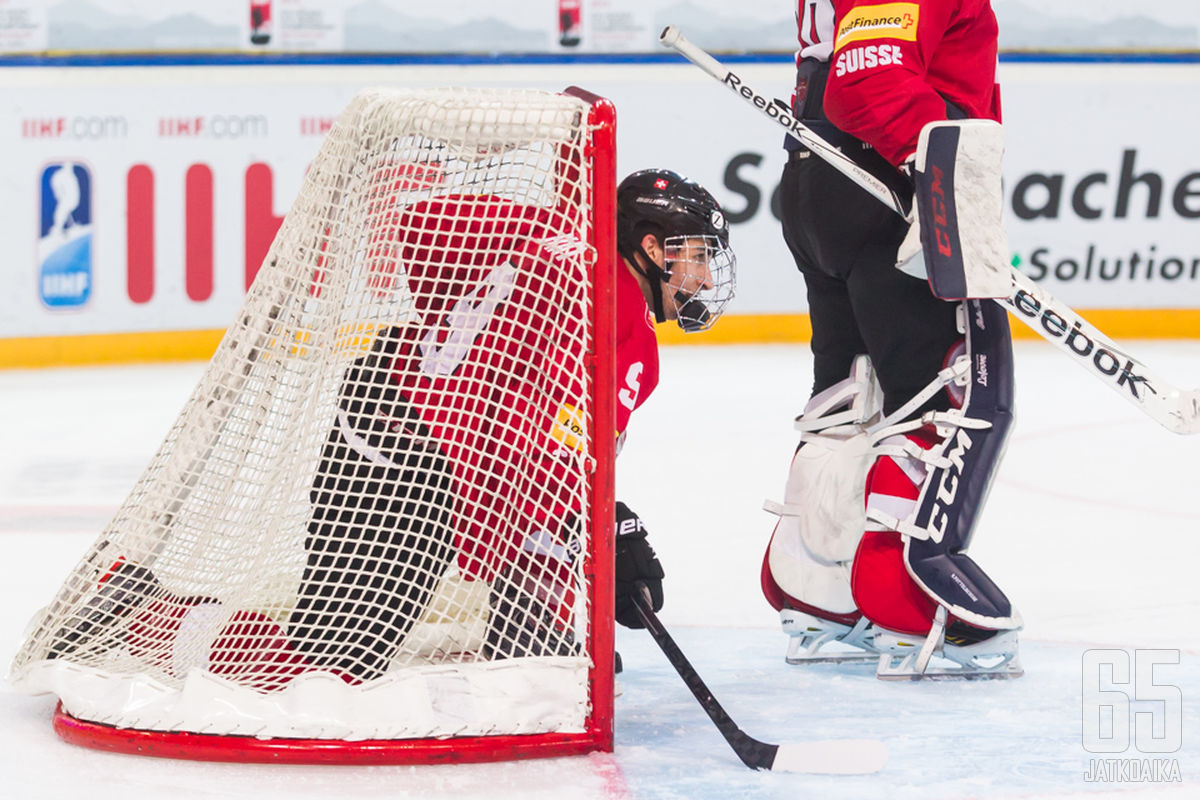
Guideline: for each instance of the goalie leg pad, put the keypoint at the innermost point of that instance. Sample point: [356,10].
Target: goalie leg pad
[821,518]
[806,568]
[956,490]
[822,590]
[881,584]
[928,486]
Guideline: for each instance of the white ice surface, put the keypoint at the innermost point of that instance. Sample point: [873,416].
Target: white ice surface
[1092,529]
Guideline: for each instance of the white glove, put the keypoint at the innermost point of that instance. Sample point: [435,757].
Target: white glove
[910,257]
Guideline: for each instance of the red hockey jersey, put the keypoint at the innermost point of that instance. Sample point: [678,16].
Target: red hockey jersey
[486,363]
[637,348]
[893,66]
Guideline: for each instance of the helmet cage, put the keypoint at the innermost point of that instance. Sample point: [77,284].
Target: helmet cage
[699,275]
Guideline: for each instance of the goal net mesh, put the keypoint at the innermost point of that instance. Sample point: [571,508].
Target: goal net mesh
[370,518]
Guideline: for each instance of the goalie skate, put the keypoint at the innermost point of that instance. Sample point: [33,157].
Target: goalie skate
[814,640]
[947,655]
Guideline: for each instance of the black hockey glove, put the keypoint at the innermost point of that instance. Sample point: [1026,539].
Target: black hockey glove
[635,563]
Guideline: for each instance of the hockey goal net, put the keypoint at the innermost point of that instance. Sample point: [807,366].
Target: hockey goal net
[379,530]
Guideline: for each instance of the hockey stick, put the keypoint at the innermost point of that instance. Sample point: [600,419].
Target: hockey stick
[1175,409]
[775,110]
[831,757]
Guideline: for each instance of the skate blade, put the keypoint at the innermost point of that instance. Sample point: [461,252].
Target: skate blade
[1007,671]
[949,675]
[848,658]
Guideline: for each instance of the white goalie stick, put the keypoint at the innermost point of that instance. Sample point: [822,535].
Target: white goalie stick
[827,757]
[1177,410]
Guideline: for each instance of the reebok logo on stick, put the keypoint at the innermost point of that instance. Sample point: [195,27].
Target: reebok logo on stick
[1079,343]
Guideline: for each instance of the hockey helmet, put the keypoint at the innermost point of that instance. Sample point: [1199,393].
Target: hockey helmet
[699,268]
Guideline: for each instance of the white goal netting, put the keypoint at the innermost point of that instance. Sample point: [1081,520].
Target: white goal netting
[370,518]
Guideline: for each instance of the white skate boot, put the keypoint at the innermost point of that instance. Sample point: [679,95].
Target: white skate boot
[815,640]
[959,654]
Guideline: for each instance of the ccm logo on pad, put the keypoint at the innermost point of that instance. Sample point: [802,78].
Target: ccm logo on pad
[869,57]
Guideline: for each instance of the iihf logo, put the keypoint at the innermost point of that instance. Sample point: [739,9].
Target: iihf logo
[65,235]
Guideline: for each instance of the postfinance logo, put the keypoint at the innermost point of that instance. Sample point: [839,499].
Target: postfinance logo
[568,427]
[887,21]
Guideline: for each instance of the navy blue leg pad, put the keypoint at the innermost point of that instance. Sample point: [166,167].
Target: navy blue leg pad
[953,496]
[960,583]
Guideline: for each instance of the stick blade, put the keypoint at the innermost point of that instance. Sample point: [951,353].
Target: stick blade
[1189,412]
[833,757]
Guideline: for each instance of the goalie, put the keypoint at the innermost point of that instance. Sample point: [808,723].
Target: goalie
[912,394]
[437,461]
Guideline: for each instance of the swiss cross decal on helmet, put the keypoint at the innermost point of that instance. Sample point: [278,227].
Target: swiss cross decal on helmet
[677,205]
[697,277]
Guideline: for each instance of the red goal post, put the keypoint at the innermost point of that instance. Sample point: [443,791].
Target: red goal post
[380,530]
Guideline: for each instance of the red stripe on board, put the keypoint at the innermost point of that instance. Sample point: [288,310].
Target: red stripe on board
[139,233]
[261,223]
[198,232]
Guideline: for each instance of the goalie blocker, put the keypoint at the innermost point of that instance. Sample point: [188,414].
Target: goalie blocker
[957,238]
[869,551]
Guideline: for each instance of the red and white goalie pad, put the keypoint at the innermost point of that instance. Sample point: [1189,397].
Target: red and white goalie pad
[821,518]
[928,488]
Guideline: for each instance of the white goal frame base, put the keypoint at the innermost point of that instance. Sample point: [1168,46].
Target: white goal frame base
[417,701]
[320,714]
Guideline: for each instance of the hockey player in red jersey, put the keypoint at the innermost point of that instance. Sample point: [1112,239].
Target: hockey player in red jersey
[912,394]
[441,457]
[448,378]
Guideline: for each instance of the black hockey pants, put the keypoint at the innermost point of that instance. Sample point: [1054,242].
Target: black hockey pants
[844,242]
[381,534]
